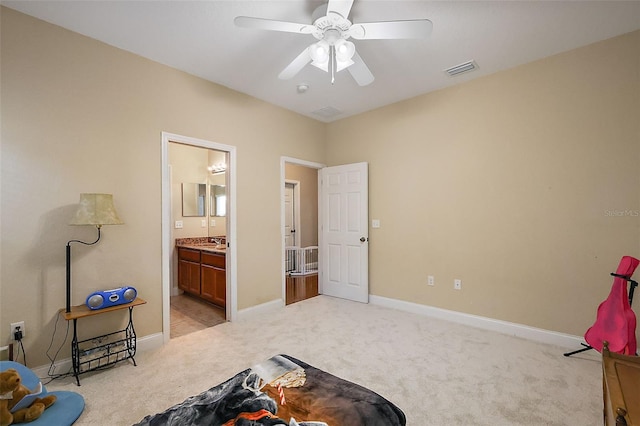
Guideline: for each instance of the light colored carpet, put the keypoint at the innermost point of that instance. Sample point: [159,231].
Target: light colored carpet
[437,372]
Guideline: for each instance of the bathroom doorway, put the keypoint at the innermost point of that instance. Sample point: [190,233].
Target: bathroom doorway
[198,218]
[198,205]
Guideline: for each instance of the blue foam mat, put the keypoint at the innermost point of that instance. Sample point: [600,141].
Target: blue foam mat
[64,412]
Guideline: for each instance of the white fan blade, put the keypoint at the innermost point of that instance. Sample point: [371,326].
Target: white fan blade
[360,72]
[296,65]
[341,7]
[270,24]
[420,28]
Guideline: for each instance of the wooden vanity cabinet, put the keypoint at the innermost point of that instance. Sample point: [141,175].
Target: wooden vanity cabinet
[214,278]
[189,270]
[203,273]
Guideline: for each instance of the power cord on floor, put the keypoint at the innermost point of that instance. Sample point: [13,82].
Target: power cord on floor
[18,336]
[50,373]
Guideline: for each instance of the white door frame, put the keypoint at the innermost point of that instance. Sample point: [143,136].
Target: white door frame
[299,162]
[231,252]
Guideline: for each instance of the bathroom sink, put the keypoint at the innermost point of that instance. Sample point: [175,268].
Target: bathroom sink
[213,246]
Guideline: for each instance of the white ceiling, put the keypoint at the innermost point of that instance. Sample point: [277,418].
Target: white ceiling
[199,37]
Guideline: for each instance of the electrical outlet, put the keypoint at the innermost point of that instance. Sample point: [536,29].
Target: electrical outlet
[431,280]
[457,284]
[15,326]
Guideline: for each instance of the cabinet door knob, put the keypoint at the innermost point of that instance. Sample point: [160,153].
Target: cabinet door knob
[620,420]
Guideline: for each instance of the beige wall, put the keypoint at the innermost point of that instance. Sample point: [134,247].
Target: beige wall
[80,116]
[507,183]
[308,178]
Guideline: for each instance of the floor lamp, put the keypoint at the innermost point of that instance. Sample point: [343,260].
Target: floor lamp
[94,209]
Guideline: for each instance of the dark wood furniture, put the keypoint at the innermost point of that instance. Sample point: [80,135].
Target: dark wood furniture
[621,388]
[213,277]
[101,351]
[189,270]
[300,287]
[203,274]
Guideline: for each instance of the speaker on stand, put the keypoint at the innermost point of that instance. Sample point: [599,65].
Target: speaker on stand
[106,298]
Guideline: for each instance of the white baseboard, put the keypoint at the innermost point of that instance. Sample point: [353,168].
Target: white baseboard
[155,341]
[505,327]
[150,342]
[261,309]
[146,343]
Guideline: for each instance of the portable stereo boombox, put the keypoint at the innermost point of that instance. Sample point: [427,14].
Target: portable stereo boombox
[106,298]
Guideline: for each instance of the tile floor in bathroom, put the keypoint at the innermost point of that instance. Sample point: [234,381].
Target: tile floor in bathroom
[189,314]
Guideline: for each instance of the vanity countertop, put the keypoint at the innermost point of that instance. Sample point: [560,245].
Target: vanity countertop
[203,243]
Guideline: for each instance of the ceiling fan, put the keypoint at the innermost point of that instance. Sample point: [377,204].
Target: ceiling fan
[333,51]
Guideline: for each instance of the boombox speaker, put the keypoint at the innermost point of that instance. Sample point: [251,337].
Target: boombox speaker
[106,298]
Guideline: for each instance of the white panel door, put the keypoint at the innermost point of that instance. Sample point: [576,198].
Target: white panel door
[289,215]
[344,246]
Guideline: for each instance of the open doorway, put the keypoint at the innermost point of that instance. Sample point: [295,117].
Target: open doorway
[198,233]
[198,205]
[300,229]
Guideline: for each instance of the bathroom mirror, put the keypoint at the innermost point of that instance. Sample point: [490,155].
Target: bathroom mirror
[217,200]
[193,199]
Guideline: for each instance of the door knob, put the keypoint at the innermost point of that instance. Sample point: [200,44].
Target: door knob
[363,239]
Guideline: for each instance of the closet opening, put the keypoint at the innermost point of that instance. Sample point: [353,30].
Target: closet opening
[300,230]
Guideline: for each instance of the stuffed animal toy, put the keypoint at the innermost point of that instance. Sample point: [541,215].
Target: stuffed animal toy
[11,392]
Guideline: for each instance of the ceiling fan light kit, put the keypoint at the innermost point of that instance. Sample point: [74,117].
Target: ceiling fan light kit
[334,52]
[320,54]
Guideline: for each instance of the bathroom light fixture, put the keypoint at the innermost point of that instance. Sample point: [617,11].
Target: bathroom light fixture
[217,168]
[94,209]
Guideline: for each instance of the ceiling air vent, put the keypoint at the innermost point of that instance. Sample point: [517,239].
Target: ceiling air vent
[327,112]
[462,68]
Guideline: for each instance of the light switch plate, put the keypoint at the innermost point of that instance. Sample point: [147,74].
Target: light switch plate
[178,224]
[375,223]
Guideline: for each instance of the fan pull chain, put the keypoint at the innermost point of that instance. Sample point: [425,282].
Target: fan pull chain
[332,62]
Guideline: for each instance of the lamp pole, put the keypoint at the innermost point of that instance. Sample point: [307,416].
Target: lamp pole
[69,265]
